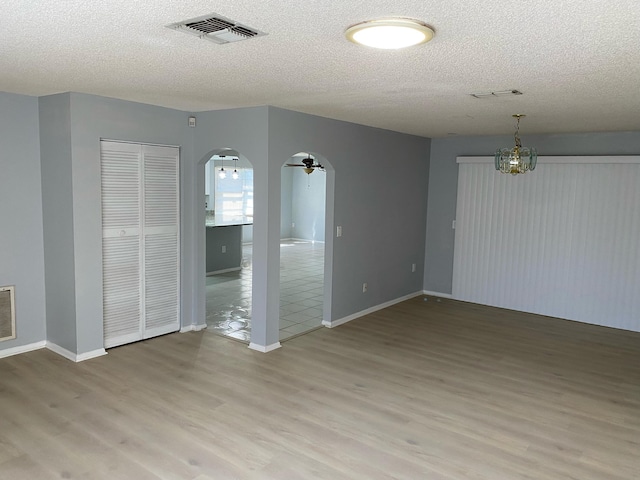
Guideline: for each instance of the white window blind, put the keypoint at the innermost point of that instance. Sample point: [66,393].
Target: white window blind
[560,241]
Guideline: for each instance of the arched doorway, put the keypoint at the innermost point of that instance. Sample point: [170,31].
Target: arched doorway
[228,207]
[302,246]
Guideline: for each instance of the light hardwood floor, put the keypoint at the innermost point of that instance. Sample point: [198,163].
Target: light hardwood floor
[421,390]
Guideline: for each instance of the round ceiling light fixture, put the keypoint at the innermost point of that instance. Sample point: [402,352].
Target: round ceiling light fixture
[390,33]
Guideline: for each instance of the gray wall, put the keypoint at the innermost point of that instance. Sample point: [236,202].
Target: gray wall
[92,118]
[286,209]
[382,210]
[443,183]
[57,196]
[21,241]
[244,130]
[379,202]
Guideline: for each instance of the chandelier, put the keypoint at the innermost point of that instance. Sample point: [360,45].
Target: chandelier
[518,159]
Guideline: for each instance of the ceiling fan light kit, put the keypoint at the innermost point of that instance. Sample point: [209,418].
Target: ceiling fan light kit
[308,163]
[390,33]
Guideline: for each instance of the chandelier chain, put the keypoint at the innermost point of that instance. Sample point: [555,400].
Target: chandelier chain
[517,134]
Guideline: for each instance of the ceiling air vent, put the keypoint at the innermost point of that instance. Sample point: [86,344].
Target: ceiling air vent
[217,29]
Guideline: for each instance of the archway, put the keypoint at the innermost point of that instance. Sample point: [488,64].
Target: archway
[303,238]
[228,207]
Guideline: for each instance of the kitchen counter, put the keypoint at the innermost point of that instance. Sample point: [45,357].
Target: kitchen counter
[227,221]
[224,243]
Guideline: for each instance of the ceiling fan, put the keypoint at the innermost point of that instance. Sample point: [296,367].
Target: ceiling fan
[308,163]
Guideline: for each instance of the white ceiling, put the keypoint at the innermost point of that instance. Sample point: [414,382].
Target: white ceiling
[577,61]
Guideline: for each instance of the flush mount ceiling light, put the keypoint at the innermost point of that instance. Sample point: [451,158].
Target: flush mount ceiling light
[518,159]
[390,33]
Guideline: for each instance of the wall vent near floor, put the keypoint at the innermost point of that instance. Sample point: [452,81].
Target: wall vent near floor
[7,313]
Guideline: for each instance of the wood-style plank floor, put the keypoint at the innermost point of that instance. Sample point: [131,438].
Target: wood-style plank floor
[421,390]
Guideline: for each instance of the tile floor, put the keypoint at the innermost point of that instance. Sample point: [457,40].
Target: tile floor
[301,293]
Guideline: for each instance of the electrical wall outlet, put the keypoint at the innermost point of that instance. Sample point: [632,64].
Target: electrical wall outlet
[338,231]
[364,288]
[413,267]
[224,249]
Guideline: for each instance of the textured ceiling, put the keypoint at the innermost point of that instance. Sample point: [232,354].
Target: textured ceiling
[576,61]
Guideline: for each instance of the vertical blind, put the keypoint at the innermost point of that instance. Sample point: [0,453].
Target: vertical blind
[562,241]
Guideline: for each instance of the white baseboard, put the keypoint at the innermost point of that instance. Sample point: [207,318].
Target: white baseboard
[193,328]
[224,270]
[437,294]
[81,357]
[263,349]
[304,240]
[75,357]
[362,313]
[8,352]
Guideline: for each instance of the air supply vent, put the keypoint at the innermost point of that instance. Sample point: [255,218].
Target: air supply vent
[217,29]
[7,314]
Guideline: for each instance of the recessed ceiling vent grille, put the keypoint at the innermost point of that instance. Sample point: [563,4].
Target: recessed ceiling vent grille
[7,314]
[217,29]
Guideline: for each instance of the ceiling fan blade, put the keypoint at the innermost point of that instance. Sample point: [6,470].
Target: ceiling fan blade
[295,165]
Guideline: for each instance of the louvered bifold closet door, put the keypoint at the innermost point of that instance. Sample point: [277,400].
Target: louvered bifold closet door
[121,242]
[140,241]
[161,240]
